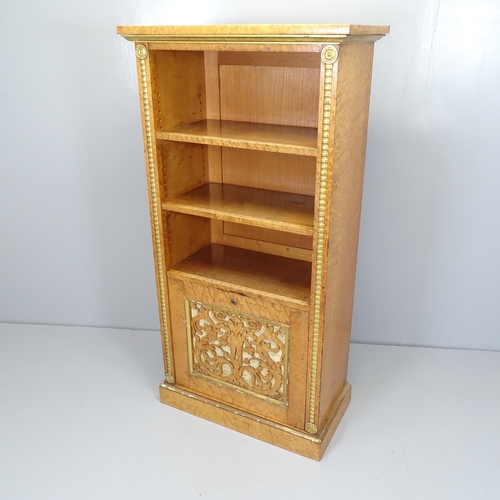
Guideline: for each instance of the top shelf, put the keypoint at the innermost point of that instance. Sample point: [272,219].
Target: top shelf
[256,136]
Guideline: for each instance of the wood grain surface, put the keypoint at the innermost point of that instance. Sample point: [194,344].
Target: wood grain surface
[177,88]
[275,59]
[257,207]
[258,136]
[273,171]
[257,29]
[268,94]
[351,123]
[260,274]
[266,430]
[270,235]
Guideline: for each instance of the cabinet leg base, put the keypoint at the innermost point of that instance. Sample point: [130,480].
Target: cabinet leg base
[289,438]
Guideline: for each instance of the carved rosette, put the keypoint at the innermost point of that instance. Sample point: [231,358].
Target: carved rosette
[141,52]
[329,55]
[242,352]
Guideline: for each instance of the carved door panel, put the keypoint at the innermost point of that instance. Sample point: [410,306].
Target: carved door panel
[241,350]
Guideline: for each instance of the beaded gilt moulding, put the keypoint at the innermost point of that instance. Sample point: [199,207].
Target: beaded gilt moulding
[254,140]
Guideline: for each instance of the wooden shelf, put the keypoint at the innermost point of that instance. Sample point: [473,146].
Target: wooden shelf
[257,136]
[273,276]
[287,212]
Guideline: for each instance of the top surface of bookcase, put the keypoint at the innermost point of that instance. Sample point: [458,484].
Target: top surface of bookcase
[264,32]
[258,29]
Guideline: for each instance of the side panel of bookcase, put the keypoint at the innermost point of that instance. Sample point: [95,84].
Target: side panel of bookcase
[349,146]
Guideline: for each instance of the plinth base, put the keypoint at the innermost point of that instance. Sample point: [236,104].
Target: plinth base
[289,438]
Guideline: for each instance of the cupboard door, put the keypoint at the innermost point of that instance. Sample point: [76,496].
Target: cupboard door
[240,350]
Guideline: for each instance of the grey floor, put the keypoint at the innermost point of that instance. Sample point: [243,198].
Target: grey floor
[80,419]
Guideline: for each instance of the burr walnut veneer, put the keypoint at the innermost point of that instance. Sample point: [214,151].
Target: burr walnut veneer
[255,142]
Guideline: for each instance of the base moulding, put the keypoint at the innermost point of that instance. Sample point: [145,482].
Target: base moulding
[289,438]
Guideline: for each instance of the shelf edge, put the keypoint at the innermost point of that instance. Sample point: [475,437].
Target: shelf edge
[240,219]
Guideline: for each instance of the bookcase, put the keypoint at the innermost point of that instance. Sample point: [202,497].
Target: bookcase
[255,140]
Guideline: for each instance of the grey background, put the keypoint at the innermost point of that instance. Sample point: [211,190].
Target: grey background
[75,246]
